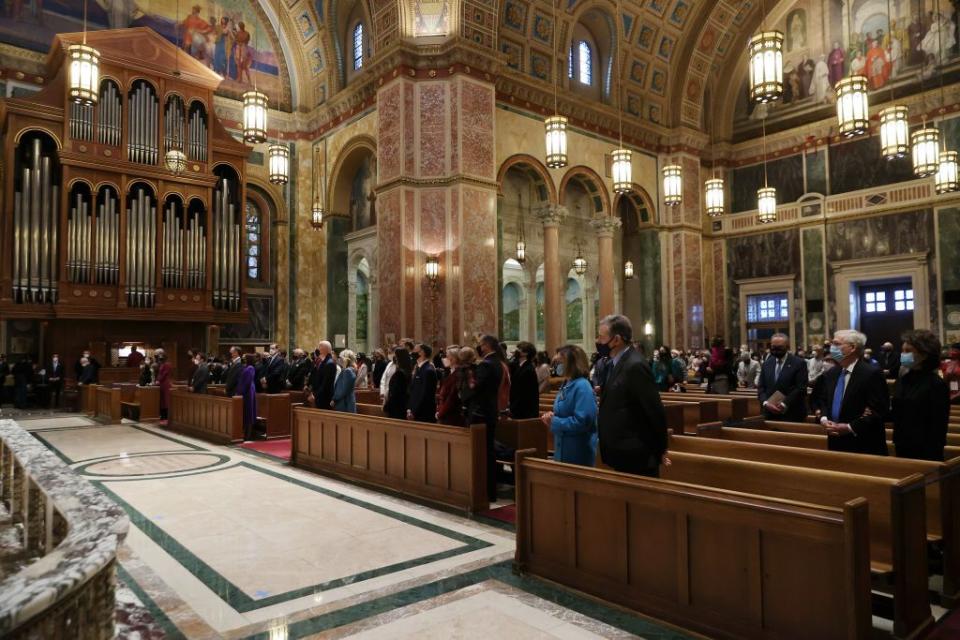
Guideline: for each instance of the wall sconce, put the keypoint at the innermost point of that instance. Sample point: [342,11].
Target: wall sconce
[431,269]
[648,329]
[628,269]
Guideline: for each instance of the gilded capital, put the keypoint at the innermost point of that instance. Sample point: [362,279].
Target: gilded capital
[552,215]
[606,226]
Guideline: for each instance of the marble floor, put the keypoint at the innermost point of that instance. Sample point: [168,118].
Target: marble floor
[229,543]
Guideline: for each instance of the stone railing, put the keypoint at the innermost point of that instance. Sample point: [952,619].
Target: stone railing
[71,530]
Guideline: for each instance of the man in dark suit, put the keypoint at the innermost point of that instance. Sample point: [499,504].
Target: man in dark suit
[483,404]
[785,373]
[55,381]
[889,361]
[298,370]
[422,405]
[853,400]
[201,374]
[274,371]
[524,385]
[231,377]
[631,423]
[322,377]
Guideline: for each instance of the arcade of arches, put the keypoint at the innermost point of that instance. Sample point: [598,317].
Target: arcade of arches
[414,132]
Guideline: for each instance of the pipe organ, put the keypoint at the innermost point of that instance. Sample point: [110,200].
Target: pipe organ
[93,222]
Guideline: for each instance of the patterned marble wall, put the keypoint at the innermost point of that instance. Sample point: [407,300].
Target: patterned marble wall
[858,165]
[948,221]
[786,174]
[814,294]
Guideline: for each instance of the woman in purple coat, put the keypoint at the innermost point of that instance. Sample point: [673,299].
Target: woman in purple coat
[246,388]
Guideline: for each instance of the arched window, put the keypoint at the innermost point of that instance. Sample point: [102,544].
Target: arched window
[511,312]
[585,62]
[358,46]
[254,228]
[574,303]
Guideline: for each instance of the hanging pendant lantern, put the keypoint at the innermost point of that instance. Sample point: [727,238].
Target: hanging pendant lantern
[672,184]
[580,263]
[521,251]
[894,132]
[279,163]
[714,197]
[925,149]
[317,215]
[853,109]
[766,66]
[946,179]
[628,270]
[84,73]
[767,204]
[622,170]
[555,128]
[254,116]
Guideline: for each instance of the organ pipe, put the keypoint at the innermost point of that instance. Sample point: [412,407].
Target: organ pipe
[141,245]
[197,142]
[110,115]
[144,107]
[36,215]
[226,237]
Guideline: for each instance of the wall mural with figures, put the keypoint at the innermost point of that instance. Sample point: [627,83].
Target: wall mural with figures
[225,35]
[892,48]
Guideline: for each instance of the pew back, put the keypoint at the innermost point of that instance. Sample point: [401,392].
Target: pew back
[274,408]
[217,419]
[726,564]
[433,462]
[108,404]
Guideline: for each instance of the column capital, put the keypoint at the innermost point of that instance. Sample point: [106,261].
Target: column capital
[606,226]
[552,215]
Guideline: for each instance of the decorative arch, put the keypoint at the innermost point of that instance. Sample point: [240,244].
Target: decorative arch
[591,16]
[34,129]
[266,208]
[592,183]
[535,170]
[348,162]
[641,203]
[340,21]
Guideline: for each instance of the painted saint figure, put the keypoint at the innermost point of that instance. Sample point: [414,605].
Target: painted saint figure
[878,66]
[836,63]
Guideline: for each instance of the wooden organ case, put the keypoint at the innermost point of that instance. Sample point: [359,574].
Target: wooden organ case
[96,223]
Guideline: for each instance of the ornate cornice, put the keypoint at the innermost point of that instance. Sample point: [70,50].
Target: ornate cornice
[552,215]
[606,226]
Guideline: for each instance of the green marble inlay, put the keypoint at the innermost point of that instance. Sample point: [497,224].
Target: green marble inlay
[62,456]
[82,469]
[949,222]
[500,572]
[813,264]
[816,172]
[237,598]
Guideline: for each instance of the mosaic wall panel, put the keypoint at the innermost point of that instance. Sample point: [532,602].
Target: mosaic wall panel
[389,132]
[389,261]
[433,128]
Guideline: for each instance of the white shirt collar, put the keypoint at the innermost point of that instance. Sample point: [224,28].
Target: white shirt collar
[850,367]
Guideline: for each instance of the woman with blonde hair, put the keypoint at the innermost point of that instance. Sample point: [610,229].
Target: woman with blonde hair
[573,420]
[344,398]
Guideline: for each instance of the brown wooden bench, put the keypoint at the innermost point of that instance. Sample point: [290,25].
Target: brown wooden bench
[725,564]
[107,404]
[530,433]
[140,404]
[274,410]
[694,412]
[438,463]
[368,396]
[942,482]
[898,532]
[729,407]
[213,418]
[88,398]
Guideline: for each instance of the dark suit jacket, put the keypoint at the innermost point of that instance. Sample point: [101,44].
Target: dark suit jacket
[276,373]
[55,372]
[423,393]
[297,373]
[231,377]
[201,376]
[631,422]
[398,395]
[865,388]
[524,392]
[489,374]
[792,383]
[322,377]
[890,361]
[88,375]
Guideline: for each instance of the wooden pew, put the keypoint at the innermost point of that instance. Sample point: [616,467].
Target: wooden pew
[898,535]
[442,464]
[88,398]
[727,565]
[112,375]
[213,418]
[274,409]
[368,396]
[694,412]
[370,410]
[141,404]
[525,434]
[942,482]
[729,407]
[217,390]
[107,404]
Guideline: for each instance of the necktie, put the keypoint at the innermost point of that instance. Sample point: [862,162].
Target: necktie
[838,396]
[779,366]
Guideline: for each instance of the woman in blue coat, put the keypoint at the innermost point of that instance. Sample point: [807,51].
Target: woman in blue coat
[573,420]
[344,398]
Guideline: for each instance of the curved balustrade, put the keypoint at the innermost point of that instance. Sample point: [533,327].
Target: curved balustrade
[73,528]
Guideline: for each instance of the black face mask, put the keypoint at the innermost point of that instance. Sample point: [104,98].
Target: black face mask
[603,350]
[778,352]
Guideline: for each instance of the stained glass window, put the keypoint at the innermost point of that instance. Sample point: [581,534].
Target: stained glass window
[254,232]
[358,46]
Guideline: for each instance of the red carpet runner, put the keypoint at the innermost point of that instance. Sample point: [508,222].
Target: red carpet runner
[279,448]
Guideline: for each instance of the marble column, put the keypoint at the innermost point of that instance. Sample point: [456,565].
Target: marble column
[606,227]
[553,316]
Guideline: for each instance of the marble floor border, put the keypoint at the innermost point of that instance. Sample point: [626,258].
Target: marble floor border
[83,465]
[502,572]
[236,597]
[38,435]
[169,628]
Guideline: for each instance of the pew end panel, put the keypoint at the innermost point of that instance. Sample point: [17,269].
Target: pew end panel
[950,523]
[274,408]
[527,434]
[726,564]
[217,419]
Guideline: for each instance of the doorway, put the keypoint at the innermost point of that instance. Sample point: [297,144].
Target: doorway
[885,311]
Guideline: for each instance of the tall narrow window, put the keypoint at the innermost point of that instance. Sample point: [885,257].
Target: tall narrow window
[570,64]
[585,62]
[358,46]
[254,236]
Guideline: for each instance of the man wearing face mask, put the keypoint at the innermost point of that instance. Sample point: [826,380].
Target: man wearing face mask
[55,381]
[951,372]
[483,406]
[275,371]
[889,361]
[631,422]
[853,401]
[921,407]
[782,389]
